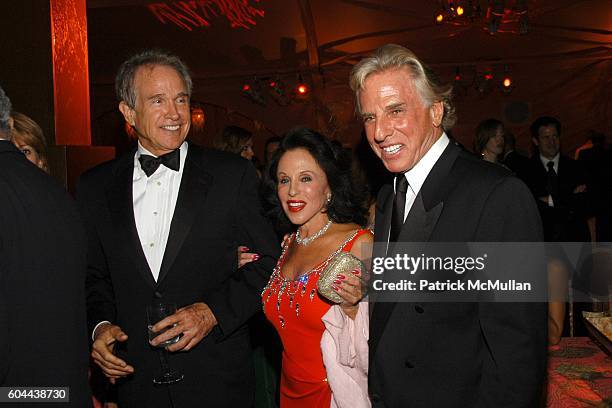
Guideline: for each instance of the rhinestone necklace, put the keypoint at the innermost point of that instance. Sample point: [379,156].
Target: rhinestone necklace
[308,240]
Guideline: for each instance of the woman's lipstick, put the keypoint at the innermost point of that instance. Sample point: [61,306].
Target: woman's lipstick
[296,205]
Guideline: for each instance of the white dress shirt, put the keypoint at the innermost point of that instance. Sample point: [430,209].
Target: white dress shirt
[416,176]
[545,161]
[154,200]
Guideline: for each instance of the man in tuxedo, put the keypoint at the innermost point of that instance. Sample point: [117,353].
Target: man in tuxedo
[43,339]
[430,354]
[164,223]
[515,161]
[559,185]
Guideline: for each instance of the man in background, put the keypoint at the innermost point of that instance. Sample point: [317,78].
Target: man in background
[43,338]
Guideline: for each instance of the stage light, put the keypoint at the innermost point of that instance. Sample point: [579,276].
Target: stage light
[488,76]
[439,18]
[252,92]
[302,89]
[459,11]
[507,82]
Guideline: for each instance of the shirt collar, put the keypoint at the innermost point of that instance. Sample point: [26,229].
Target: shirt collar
[545,161]
[416,176]
[138,173]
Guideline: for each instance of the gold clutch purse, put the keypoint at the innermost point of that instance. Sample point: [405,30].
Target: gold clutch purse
[342,263]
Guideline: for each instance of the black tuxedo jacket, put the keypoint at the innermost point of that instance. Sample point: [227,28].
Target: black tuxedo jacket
[43,338]
[460,354]
[566,221]
[217,209]
[518,163]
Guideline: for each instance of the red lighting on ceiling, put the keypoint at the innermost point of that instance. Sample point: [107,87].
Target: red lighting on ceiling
[199,13]
[246,87]
[272,84]
[488,76]
[458,77]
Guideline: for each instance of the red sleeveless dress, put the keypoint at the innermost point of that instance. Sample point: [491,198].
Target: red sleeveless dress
[295,309]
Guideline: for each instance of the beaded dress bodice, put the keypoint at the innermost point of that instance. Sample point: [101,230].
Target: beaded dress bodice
[295,308]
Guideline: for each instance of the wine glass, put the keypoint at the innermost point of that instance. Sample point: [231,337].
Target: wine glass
[155,313]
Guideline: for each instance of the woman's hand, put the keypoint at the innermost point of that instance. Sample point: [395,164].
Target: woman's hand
[244,257]
[351,289]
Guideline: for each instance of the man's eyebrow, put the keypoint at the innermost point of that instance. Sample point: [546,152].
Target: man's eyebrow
[394,106]
[159,95]
[182,94]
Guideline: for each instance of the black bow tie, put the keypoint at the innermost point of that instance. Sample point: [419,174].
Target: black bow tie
[150,164]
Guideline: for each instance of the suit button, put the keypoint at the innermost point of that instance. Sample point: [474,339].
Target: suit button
[408,364]
[419,309]
[157,295]
[375,398]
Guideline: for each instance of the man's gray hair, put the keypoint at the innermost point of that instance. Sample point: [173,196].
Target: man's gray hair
[428,86]
[5,113]
[124,81]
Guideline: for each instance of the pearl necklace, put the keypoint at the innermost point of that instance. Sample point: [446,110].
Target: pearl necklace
[308,240]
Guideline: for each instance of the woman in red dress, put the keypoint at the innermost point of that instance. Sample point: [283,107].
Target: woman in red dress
[313,188]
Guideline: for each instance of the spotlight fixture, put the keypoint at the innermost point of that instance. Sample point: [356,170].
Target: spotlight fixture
[276,86]
[485,83]
[302,89]
[495,13]
[459,10]
[276,90]
[439,18]
[251,90]
[507,80]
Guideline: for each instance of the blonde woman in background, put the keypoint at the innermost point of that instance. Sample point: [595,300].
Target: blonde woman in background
[29,138]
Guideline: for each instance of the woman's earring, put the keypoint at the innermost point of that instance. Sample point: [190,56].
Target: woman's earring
[329,197]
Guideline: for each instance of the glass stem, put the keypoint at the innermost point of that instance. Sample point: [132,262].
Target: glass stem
[164,361]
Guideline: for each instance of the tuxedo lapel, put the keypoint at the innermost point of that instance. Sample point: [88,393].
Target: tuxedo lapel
[120,204]
[193,190]
[418,227]
[382,219]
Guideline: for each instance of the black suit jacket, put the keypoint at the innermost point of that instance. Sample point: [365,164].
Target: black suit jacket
[43,339]
[566,221]
[217,209]
[460,354]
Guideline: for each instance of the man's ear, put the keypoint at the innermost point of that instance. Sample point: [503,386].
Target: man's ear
[437,113]
[128,113]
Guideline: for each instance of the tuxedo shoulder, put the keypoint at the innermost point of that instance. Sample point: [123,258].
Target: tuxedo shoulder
[481,169]
[106,169]
[104,174]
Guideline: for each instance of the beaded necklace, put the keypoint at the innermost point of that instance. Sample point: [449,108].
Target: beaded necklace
[295,289]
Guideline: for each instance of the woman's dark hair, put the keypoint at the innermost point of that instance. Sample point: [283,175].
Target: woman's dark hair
[348,200]
[485,131]
[232,139]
